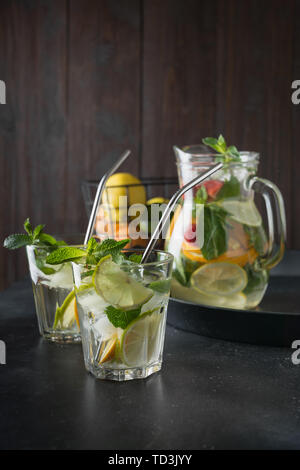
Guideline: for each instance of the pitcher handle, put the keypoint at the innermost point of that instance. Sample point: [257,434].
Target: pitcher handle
[268,189]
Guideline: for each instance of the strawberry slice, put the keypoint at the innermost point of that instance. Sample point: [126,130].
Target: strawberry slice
[212,187]
[190,234]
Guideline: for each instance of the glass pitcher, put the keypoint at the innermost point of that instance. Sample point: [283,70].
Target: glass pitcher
[228,264]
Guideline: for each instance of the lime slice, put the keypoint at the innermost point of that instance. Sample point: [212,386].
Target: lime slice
[190,294]
[219,279]
[236,301]
[140,340]
[244,212]
[117,287]
[67,314]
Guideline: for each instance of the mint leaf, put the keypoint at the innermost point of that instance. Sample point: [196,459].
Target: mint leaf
[230,188]
[37,231]
[61,255]
[210,142]
[256,279]
[40,262]
[12,242]
[92,245]
[32,237]
[40,259]
[257,238]
[49,240]
[28,227]
[87,273]
[201,195]
[233,151]
[121,318]
[110,247]
[179,273]
[227,154]
[135,258]
[222,143]
[215,234]
[163,286]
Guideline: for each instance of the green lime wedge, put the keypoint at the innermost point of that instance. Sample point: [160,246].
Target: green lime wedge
[117,287]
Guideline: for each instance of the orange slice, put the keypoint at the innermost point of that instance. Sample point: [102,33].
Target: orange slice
[238,256]
[76,314]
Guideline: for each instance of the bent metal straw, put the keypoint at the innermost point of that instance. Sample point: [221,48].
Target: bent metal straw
[174,199]
[99,193]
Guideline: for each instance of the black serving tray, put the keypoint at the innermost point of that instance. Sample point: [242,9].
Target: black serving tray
[276,322]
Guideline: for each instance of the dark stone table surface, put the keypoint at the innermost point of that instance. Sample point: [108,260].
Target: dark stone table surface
[210,394]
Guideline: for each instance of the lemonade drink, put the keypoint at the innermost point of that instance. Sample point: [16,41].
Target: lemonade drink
[54,297]
[228,265]
[122,312]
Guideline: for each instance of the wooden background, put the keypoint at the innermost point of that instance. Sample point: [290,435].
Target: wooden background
[88,78]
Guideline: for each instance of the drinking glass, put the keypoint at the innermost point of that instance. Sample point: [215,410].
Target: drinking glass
[122,313]
[54,296]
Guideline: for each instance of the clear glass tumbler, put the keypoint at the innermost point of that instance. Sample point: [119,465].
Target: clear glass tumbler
[122,313]
[54,297]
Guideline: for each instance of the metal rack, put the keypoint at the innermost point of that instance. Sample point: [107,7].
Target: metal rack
[163,187]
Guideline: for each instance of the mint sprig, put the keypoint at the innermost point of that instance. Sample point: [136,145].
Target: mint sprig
[35,236]
[121,318]
[110,247]
[227,154]
[91,255]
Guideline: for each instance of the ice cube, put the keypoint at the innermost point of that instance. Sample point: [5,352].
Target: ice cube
[61,278]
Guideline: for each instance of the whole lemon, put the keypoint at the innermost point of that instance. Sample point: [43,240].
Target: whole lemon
[119,185]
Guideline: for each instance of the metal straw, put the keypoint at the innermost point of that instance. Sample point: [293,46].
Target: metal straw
[174,199]
[99,193]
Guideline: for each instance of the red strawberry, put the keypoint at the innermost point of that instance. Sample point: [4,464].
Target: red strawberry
[190,234]
[212,187]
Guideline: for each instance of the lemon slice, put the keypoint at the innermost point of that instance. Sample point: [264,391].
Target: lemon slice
[236,301]
[67,314]
[219,279]
[190,294]
[117,287]
[244,212]
[109,349]
[140,339]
